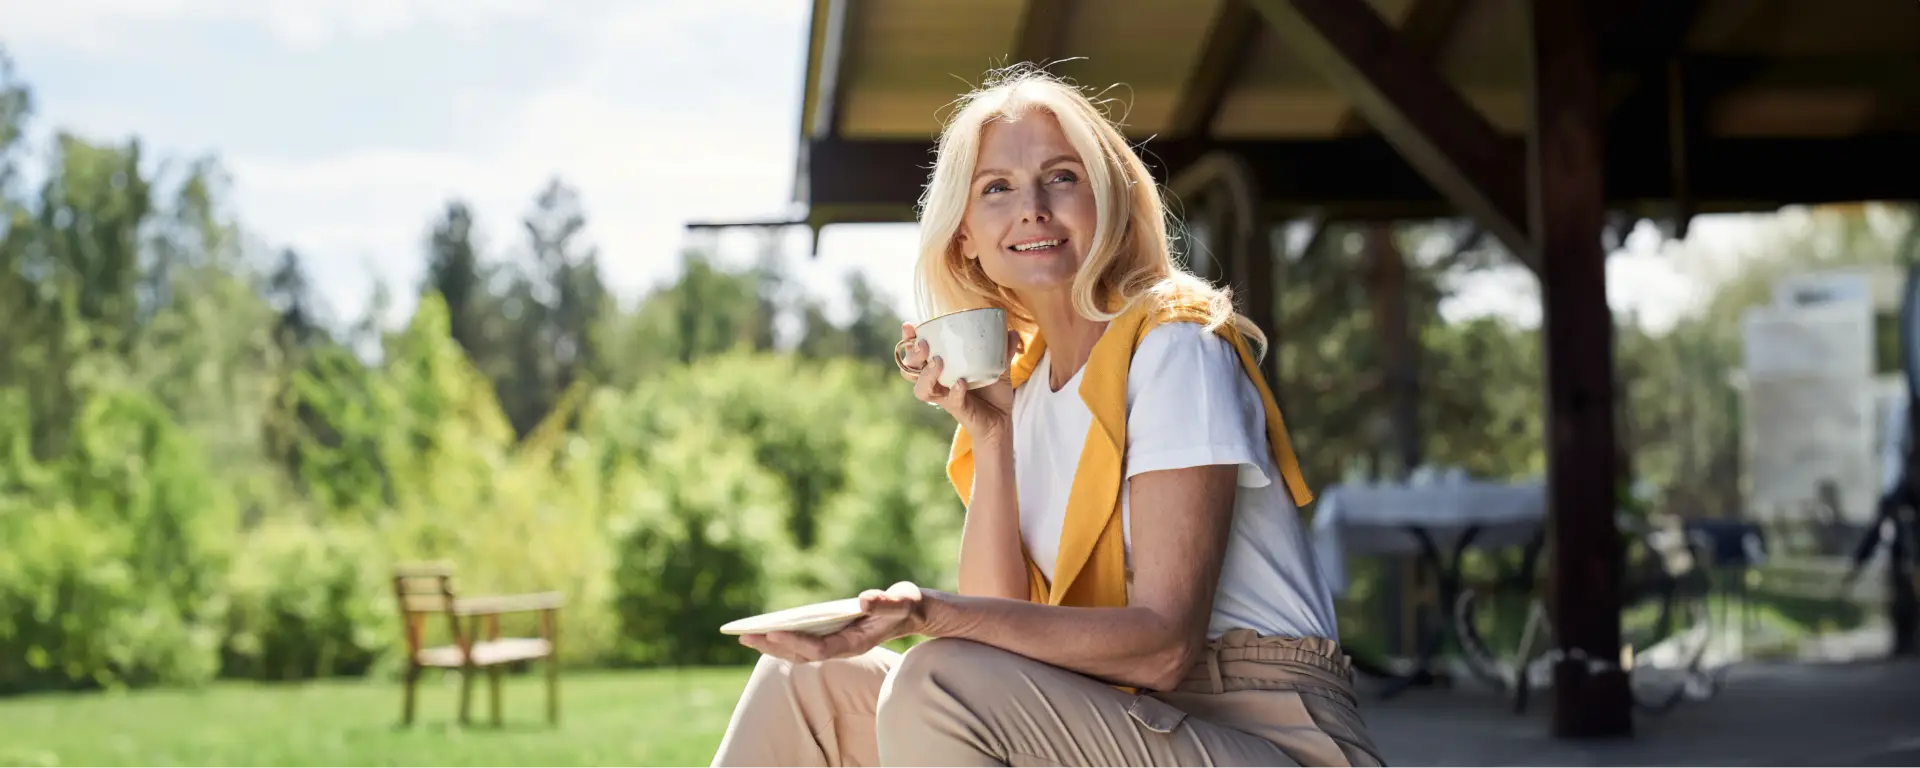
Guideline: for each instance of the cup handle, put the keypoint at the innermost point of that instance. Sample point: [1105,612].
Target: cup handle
[899,349]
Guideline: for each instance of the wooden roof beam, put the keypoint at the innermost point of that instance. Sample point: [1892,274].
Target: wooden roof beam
[1642,39]
[1043,30]
[1427,28]
[1648,40]
[833,68]
[1230,38]
[1414,108]
[1345,174]
[1642,34]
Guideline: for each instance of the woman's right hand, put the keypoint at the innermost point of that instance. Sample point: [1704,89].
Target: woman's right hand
[986,413]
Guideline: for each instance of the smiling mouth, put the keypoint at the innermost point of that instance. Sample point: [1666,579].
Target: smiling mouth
[1038,246]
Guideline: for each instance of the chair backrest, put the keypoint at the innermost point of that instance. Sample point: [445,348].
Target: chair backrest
[420,589]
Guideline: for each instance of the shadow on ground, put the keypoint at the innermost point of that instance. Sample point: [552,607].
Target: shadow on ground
[1782,713]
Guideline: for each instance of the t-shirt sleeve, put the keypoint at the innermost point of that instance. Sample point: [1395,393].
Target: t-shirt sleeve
[1190,404]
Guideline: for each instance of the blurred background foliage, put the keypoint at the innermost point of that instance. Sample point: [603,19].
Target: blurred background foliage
[203,473]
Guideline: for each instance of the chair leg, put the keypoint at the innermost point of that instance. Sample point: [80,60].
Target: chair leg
[412,683]
[493,681]
[466,694]
[553,689]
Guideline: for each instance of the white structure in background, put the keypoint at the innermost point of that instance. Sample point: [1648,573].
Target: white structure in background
[1820,398]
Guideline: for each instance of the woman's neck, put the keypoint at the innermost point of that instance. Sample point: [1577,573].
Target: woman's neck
[1070,337]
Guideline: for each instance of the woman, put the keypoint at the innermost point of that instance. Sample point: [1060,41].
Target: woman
[1135,586]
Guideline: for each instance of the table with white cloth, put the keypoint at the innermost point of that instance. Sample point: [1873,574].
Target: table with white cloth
[1435,521]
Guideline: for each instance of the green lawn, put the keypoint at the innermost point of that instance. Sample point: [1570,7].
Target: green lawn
[654,717]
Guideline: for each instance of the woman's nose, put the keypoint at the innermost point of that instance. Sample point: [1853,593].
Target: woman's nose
[1037,207]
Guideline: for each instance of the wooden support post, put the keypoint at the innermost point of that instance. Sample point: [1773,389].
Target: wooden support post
[1214,254]
[1411,586]
[1261,292]
[1682,137]
[1399,342]
[1239,238]
[1566,168]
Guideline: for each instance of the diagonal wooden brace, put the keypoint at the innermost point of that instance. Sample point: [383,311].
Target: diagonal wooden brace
[1399,91]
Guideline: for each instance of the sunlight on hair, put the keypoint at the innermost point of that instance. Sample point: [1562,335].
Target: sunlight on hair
[1130,258]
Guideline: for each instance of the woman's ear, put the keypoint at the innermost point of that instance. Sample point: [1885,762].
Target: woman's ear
[960,243]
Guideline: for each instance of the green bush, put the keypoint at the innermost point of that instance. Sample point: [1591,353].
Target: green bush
[114,560]
[898,519]
[308,601]
[703,545]
[769,482]
[738,484]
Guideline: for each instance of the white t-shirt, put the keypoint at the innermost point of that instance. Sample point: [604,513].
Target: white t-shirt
[1189,404]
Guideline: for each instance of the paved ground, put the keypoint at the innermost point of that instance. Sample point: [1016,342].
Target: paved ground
[1781,713]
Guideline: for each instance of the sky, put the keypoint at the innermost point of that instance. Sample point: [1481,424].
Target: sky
[347,125]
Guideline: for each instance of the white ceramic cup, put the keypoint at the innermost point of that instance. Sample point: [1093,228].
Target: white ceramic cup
[971,345]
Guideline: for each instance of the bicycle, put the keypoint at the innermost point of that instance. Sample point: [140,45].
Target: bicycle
[1666,618]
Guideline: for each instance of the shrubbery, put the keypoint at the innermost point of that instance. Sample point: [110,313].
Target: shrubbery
[115,554]
[740,483]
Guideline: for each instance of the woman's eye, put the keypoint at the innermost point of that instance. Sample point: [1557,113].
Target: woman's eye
[998,186]
[1064,176]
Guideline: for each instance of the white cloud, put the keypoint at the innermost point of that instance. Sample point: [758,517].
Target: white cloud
[99,25]
[103,25]
[647,153]
[640,179]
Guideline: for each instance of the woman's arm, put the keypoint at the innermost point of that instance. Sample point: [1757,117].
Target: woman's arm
[1180,524]
[992,561]
[1181,518]
[1182,512]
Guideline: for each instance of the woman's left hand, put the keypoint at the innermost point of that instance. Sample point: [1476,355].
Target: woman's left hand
[890,614]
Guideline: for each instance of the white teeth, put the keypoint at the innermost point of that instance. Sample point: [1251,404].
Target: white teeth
[1039,244]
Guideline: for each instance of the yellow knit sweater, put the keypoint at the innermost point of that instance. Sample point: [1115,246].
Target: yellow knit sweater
[1090,569]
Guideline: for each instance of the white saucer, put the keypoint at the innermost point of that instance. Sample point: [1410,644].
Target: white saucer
[816,619]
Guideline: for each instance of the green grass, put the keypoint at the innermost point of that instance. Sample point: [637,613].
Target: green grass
[652,717]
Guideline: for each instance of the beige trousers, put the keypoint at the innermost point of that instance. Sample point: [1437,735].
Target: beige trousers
[1251,701]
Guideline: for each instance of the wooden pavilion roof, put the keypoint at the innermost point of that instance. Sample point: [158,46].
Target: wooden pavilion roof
[1773,102]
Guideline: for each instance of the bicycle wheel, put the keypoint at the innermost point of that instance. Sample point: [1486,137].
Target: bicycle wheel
[1667,626]
[1502,629]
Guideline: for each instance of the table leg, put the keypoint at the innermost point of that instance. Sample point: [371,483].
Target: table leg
[1446,572]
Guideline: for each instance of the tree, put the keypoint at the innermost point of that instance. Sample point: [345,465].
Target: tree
[454,271]
[553,310]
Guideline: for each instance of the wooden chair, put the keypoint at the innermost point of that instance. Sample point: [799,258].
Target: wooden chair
[427,588]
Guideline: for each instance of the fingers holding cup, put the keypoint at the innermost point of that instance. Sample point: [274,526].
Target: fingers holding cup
[954,398]
[969,344]
[910,353]
[926,387]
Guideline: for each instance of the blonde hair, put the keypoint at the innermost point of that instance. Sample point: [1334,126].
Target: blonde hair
[1130,258]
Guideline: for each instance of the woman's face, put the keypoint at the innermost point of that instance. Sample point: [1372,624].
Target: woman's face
[1030,211]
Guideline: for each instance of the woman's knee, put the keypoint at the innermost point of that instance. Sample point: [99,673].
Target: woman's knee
[932,671]
[772,672]
[932,657]
[772,669]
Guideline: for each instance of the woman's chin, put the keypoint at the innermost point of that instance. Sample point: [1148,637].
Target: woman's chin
[1038,274]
